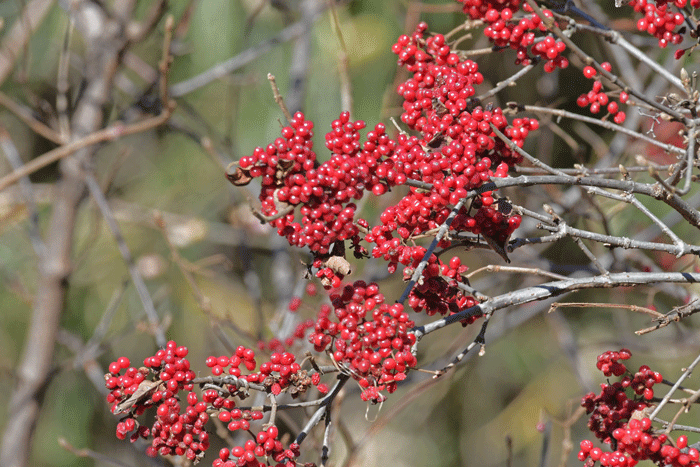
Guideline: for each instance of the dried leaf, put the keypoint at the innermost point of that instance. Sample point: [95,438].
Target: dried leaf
[497,247]
[145,389]
[239,177]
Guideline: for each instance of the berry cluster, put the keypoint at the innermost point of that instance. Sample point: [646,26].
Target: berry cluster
[597,99]
[264,445]
[621,423]
[505,31]
[635,441]
[291,177]
[234,418]
[370,338]
[660,21]
[179,429]
[438,293]
[608,362]
[157,384]
[281,372]
[456,151]
[612,406]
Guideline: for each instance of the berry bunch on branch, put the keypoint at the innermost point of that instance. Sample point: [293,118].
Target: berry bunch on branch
[450,178]
[625,424]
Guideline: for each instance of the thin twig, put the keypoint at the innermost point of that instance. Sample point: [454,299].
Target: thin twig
[682,378]
[634,308]
[505,83]
[26,116]
[229,66]
[619,129]
[62,84]
[110,133]
[479,340]
[517,270]
[144,295]
[326,447]
[325,406]
[89,453]
[26,186]
[424,262]
[278,97]
[590,256]
[675,315]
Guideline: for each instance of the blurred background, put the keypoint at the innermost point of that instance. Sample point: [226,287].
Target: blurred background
[218,278]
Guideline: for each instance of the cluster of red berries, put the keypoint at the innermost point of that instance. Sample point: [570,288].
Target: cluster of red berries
[505,31]
[368,337]
[279,373]
[234,418]
[619,421]
[597,99]
[635,442]
[291,176]
[660,21]
[436,294]
[157,384]
[609,362]
[612,406]
[180,429]
[456,151]
[264,445]
[242,355]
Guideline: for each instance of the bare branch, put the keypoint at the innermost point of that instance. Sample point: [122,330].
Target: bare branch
[555,289]
[224,68]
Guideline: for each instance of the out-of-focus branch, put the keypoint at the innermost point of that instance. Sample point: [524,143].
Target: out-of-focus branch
[17,39]
[146,300]
[247,56]
[13,157]
[105,44]
[25,115]
[110,133]
[299,66]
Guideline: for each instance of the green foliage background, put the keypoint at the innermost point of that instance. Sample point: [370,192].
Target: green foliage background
[525,376]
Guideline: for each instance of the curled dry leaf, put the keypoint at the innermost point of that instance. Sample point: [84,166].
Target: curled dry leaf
[239,177]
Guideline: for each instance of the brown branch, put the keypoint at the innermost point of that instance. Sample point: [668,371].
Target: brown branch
[635,308]
[278,97]
[25,115]
[17,39]
[675,315]
[110,133]
[105,44]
